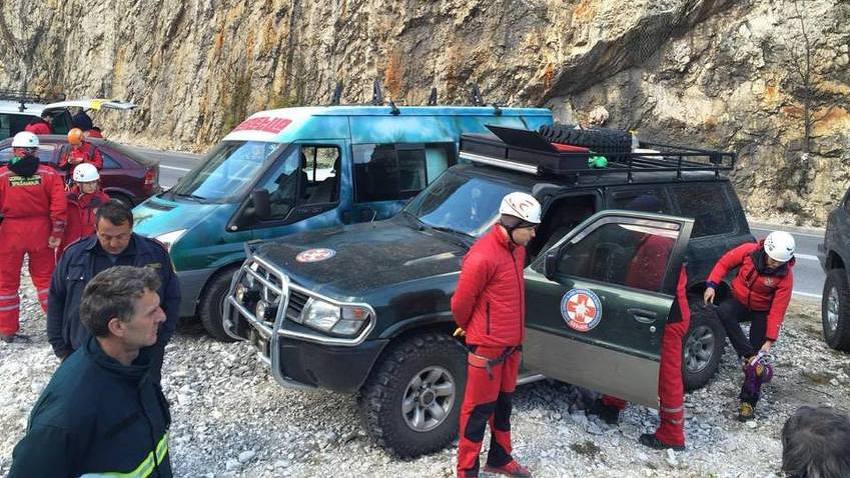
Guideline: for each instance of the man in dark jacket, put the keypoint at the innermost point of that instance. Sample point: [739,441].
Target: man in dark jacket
[101,414]
[114,243]
[761,292]
[489,305]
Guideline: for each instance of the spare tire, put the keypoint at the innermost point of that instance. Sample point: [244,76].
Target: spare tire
[603,141]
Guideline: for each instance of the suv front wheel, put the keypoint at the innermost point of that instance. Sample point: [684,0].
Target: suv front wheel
[835,310]
[702,347]
[410,405]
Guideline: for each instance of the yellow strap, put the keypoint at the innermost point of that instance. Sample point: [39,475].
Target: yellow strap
[144,469]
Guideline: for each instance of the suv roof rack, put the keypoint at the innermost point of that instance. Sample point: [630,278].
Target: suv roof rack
[23,97]
[529,152]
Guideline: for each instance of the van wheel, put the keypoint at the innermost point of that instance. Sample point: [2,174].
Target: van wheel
[835,310]
[702,348]
[211,307]
[410,405]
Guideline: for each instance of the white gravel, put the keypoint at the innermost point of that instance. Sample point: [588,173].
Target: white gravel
[232,420]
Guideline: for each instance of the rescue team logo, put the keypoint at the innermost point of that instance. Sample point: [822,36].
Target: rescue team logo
[22,181]
[315,255]
[581,309]
[263,123]
[769,281]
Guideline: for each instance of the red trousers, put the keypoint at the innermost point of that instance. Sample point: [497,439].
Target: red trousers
[19,236]
[671,390]
[487,399]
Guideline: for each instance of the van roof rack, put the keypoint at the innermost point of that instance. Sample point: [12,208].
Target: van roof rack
[23,97]
[529,152]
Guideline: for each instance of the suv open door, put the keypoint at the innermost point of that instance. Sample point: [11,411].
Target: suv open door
[598,300]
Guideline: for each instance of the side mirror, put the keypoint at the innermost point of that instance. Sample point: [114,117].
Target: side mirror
[261,203]
[550,264]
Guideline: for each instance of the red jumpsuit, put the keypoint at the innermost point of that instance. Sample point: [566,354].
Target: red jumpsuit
[647,271]
[32,201]
[489,304]
[81,210]
[85,153]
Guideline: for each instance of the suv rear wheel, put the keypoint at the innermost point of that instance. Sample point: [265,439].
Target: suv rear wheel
[702,347]
[835,310]
[410,405]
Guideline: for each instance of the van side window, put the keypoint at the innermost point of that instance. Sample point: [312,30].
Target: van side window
[710,207]
[307,175]
[388,172]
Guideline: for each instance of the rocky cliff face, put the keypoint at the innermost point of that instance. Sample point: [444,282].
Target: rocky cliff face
[746,75]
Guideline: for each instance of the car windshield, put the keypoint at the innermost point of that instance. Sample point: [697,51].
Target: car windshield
[468,205]
[227,171]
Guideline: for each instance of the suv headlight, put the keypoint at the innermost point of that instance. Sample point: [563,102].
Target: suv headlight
[327,317]
[169,238]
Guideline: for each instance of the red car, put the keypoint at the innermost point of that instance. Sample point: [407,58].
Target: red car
[126,175]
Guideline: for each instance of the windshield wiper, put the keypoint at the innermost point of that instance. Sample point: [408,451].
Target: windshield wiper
[460,237]
[415,221]
[190,196]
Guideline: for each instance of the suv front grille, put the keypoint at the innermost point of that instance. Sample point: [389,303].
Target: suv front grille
[266,285]
[297,301]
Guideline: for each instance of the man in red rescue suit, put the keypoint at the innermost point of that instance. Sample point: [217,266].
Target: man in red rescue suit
[33,205]
[761,292]
[83,200]
[646,271]
[489,306]
[80,152]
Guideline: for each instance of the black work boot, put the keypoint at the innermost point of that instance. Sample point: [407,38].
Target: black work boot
[608,414]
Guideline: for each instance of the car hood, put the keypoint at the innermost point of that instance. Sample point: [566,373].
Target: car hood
[158,215]
[364,256]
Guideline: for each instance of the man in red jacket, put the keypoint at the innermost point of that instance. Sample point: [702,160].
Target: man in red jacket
[32,202]
[646,271]
[83,200]
[489,305]
[80,152]
[761,292]
[40,125]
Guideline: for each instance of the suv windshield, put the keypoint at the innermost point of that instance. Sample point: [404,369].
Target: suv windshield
[227,171]
[464,204]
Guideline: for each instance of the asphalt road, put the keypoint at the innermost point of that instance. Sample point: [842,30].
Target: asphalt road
[808,276]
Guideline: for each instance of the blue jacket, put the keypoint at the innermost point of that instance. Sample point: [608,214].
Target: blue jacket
[82,261]
[97,416]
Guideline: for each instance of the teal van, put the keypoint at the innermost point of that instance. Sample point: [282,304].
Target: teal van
[297,169]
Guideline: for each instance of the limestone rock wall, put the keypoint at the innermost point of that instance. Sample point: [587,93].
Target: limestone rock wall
[717,73]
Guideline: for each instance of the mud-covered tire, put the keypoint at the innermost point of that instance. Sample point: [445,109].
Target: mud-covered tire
[381,399]
[211,306]
[600,140]
[835,310]
[702,346]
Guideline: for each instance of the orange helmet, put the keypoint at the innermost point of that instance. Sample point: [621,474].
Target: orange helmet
[75,136]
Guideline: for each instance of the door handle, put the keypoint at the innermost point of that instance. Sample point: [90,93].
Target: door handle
[643,316]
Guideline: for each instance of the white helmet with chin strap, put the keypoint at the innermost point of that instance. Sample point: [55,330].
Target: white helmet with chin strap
[779,246]
[25,139]
[85,173]
[522,206]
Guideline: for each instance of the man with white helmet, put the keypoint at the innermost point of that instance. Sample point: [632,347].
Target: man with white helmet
[33,205]
[761,292]
[489,307]
[83,200]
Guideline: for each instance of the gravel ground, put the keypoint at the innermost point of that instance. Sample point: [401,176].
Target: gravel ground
[232,420]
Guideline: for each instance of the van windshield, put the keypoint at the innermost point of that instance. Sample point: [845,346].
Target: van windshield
[468,205]
[227,171]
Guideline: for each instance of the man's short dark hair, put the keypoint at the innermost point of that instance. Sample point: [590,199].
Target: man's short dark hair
[816,443]
[113,294]
[115,212]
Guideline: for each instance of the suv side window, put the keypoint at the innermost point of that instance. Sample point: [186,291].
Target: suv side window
[626,254]
[709,205]
[388,172]
[646,199]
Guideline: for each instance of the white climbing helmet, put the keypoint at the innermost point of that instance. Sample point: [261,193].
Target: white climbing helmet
[25,139]
[780,246]
[85,173]
[521,205]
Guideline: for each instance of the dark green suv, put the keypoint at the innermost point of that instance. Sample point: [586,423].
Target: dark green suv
[366,308]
